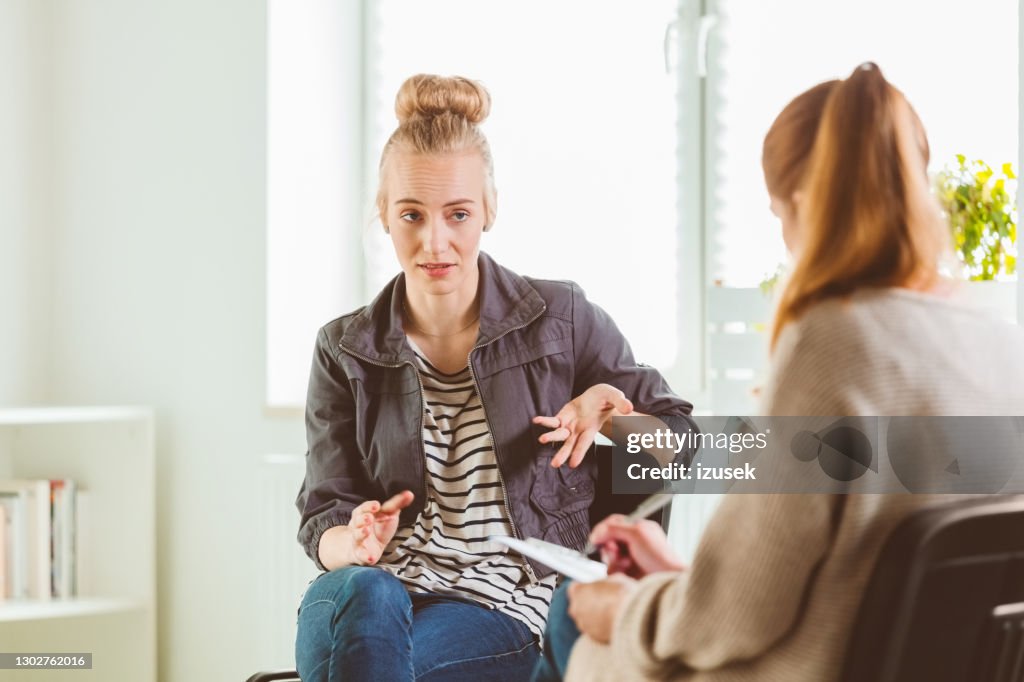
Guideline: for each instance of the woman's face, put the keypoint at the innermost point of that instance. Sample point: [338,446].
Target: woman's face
[786,210]
[436,215]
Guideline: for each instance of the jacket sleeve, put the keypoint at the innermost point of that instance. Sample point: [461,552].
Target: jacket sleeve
[336,481]
[750,578]
[602,355]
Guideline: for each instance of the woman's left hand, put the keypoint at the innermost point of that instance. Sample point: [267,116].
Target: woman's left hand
[579,421]
[595,606]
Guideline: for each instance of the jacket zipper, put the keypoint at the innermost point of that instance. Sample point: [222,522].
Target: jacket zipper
[423,448]
[469,362]
[501,477]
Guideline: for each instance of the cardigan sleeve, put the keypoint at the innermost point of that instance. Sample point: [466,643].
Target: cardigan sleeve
[745,591]
[756,561]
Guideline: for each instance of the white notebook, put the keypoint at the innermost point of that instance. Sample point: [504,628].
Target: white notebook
[566,561]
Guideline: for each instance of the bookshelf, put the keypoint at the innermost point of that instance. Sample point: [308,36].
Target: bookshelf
[109,452]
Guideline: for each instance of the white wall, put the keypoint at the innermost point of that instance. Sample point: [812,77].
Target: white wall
[159,288]
[25,296]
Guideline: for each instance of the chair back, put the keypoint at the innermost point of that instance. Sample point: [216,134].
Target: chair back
[946,600]
[606,503]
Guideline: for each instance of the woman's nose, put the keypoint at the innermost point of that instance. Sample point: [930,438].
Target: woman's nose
[435,237]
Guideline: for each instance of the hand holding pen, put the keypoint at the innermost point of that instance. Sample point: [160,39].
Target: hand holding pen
[635,545]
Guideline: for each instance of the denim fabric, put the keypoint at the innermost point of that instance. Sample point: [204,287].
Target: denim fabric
[359,623]
[559,637]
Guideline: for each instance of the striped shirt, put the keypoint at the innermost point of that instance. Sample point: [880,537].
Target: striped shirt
[445,550]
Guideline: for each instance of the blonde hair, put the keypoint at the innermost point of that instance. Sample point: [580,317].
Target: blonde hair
[867,216]
[440,115]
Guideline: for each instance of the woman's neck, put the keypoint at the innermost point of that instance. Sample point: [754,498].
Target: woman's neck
[441,315]
[930,282]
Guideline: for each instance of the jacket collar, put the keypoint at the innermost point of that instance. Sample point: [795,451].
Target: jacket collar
[507,301]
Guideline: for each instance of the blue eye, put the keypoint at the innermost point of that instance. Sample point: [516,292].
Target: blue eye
[410,216]
[460,216]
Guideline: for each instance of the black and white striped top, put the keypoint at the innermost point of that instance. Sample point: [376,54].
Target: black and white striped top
[446,550]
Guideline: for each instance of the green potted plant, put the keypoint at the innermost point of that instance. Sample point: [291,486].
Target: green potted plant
[981,207]
[982,213]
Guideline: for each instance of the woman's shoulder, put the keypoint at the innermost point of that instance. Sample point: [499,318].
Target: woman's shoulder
[553,290]
[563,297]
[331,332]
[558,295]
[866,306]
[894,347]
[366,320]
[343,320]
[898,318]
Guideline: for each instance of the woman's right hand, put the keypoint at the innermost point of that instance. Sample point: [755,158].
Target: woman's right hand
[362,541]
[635,548]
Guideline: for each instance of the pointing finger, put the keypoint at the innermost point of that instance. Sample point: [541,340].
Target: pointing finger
[368,507]
[397,502]
[549,422]
[556,435]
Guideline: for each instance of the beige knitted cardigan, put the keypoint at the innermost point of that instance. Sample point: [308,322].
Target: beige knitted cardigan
[776,580]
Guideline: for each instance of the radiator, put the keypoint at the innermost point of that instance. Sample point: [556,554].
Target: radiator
[284,570]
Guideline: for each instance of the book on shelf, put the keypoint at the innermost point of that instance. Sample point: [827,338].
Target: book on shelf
[62,506]
[37,538]
[33,552]
[15,505]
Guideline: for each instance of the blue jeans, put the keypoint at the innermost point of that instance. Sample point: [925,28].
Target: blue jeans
[360,623]
[559,637]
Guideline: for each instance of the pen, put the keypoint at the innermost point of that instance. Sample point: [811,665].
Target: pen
[645,509]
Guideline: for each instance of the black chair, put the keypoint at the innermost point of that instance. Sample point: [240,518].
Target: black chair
[604,504]
[946,600]
[278,676]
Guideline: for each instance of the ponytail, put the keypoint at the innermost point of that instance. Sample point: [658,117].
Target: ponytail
[867,216]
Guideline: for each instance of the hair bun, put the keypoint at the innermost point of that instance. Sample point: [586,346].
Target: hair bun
[426,95]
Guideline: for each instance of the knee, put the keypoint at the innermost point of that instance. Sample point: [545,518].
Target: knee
[357,585]
[369,583]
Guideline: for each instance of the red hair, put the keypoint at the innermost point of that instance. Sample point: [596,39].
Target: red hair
[867,218]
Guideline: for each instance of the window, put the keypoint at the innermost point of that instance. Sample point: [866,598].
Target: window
[956,63]
[627,141]
[582,130]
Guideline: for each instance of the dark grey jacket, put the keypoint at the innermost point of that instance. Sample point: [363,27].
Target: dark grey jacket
[540,344]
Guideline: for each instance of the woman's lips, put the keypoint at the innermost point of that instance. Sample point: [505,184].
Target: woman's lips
[437,269]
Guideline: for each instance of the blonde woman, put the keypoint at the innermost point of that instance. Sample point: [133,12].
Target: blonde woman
[865,327]
[460,403]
